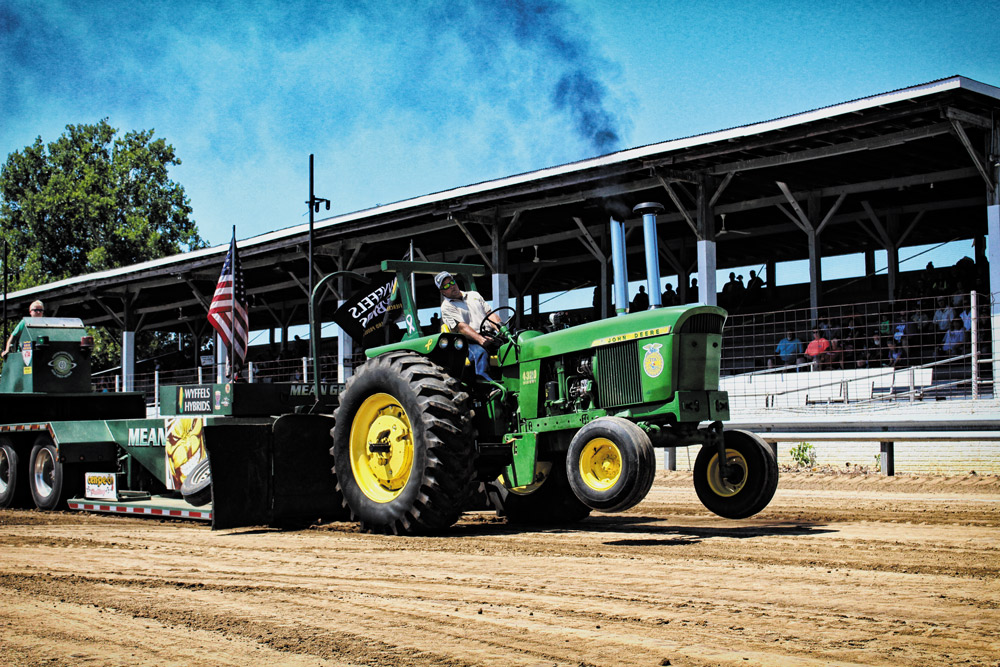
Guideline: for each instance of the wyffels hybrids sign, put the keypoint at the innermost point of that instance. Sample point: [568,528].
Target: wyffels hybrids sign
[194,400]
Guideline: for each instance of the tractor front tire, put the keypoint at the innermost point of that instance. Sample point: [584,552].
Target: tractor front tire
[610,464]
[13,485]
[751,482]
[51,481]
[551,503]
[404,446]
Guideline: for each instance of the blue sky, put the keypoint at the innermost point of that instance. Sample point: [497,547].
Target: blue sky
[403,99]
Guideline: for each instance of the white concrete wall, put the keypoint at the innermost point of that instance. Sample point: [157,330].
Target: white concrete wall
[923,458]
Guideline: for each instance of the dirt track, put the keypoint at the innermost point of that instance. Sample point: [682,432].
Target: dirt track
[838,570]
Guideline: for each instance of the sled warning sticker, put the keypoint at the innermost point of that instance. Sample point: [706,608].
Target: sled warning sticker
[652,362]
[26,355]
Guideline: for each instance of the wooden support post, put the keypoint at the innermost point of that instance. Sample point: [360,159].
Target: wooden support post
[892,253]
[706,246]
[993,230]
[500,278]
[670,458]
[887,458]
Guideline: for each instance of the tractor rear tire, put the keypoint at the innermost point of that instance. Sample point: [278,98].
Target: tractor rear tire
[552,503]
[750,486]
[404,446]
[52,482]
[197,486]
[610,464]
[13,482]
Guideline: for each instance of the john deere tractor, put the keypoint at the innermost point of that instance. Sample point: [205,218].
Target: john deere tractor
[566,427]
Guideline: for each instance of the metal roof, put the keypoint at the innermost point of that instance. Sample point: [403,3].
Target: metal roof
[896,156]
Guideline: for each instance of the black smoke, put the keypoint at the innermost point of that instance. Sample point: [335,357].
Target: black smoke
[555,31]
[570,73]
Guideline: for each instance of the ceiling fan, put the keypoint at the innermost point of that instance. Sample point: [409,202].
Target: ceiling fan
[723,230]
[538,260]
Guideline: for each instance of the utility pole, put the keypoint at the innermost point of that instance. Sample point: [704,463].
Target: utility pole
[314,329]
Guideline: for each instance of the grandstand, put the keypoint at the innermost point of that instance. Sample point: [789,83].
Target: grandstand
[916,166]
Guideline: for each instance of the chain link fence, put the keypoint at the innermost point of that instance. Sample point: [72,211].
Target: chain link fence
[919,349]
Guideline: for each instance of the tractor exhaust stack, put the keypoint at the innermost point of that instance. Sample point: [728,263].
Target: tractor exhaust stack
[649,211]
[619,263]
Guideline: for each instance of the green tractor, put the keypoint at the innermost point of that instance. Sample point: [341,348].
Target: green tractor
[567,425]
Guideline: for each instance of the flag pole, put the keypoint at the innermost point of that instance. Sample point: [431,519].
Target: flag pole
[4,290]
[232,312]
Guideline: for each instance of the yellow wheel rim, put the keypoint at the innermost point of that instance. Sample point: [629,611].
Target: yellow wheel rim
[542,470]
[725,487]
[600,464]
[381,448]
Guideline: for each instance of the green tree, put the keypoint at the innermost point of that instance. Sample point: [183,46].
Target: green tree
[89,201]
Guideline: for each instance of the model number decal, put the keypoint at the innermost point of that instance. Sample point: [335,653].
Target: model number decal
[529,377]
[646,333]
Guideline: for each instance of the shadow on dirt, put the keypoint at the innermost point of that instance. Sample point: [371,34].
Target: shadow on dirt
[650,528]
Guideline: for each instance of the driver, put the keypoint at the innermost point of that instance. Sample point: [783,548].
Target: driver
[36,309]
[465,313]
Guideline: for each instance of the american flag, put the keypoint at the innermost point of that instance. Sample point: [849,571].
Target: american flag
[225,308]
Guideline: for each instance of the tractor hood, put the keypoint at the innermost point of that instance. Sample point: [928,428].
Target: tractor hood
[645,324]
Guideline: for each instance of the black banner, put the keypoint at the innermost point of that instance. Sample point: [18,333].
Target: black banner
[366,314]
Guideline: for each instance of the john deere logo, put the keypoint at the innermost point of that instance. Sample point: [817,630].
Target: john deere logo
[652,363]
[62,364]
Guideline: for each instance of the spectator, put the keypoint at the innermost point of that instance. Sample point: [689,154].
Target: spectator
[731,292]
[895,354]
[875,352]
[730,286]
[943,315]
[788,351]
[885,327]
[669,296]
[816,350]
[754,294]
[959,295]
[940,284]
[835,355]
[299,349]
[953,341]
[899,330]
[640,302]
[692,295]
[435,326]
[919,317]
[849,355]
[848,331]
[824,329]
[966,315]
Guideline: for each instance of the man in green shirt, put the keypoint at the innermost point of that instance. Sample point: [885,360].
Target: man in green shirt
[37,309]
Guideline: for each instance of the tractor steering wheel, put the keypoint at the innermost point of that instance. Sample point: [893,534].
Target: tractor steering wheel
[488,328]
